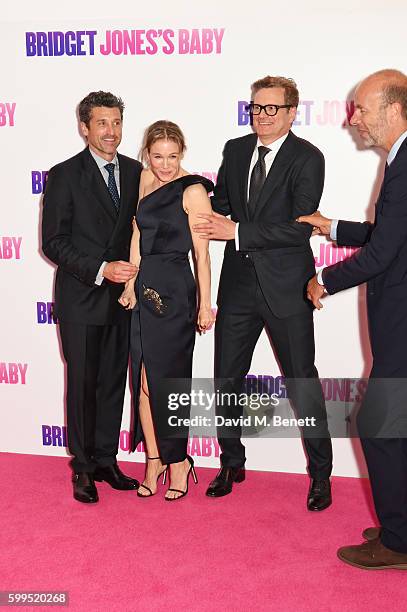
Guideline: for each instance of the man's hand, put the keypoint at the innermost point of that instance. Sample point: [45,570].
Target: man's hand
[215,227]
[119,271]
[314,292]
[320,225]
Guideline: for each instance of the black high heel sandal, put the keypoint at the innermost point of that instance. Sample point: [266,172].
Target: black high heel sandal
[148,488]
[194,477]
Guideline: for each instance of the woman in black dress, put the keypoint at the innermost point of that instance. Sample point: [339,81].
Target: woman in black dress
[164,298]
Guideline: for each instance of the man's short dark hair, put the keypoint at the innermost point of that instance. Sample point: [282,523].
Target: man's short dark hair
[98,98]
[291,95]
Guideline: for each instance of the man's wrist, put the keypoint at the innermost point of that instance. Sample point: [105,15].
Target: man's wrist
[334,229]
[100,277]
[237,236]
[320,280]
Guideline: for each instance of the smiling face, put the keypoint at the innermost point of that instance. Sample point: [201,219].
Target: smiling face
[164,158]
[268,128]
[104,132]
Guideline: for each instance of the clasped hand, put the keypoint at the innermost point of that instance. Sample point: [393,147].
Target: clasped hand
[119,271]
[321,226]
[206,319]
[128,298]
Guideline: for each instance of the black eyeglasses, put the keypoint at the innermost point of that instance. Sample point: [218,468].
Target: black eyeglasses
[269,109]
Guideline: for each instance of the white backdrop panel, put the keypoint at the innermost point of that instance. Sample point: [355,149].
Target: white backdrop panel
[326,50]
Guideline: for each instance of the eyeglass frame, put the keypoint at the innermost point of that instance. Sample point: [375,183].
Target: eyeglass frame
[249,108]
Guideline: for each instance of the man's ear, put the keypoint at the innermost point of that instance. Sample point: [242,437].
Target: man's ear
[396,110]
[292,112]
[84,129]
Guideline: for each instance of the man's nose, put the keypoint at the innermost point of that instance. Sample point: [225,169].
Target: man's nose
[354,120]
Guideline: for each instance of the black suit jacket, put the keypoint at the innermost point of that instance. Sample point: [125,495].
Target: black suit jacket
[278,245]
[81,229]
[382,262]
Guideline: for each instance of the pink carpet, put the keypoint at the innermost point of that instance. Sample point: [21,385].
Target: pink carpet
[255,550]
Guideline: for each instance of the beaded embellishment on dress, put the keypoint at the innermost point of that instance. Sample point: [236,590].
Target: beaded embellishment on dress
[153,296]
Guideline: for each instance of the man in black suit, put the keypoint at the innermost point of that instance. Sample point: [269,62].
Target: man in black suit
[381,119]
[264,181]
[89,203]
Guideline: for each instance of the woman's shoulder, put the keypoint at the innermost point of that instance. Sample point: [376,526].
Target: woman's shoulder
[146,176]
[188,180]
[146,180]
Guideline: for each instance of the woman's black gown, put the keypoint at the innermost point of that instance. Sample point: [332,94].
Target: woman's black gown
[164,318]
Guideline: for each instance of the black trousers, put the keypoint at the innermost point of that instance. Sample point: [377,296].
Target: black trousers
[386,460]
[382,425]
[236,334]
[97,359]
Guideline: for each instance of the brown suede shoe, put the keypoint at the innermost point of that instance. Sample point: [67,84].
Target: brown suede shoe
[371,533]
[373,555]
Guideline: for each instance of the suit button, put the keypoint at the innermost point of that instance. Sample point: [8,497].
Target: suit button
[247,255]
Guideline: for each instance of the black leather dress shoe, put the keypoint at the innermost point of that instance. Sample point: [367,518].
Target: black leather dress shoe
[319,496]
[84,489]
[223,483]
[115,477]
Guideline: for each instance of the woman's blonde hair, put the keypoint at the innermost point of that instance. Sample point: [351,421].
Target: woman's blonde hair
[161,130]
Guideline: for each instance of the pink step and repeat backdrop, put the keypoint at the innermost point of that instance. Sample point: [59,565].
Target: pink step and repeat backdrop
[192,63]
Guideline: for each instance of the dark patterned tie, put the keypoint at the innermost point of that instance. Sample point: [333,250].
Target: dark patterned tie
[112,187]
[257,180]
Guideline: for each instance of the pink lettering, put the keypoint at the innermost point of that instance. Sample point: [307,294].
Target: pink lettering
[23,371]
[218,39]
[13,373]
[106,49]
[3,373]
[11,109]
[207,36]
[17,245]
[183,37]
[117,42]
[125,440]
[206,447]
[7,249]
[151,35]
[168,48]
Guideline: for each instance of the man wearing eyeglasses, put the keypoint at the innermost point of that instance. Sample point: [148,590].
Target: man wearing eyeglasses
[266,180]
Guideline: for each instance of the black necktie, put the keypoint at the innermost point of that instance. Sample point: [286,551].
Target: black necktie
[257,180]
[112,187]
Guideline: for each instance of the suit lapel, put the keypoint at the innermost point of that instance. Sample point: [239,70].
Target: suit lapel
[243,162]
[124,198]
[379,203]
[125,182]
[92,181]
[399,160]
[283,158]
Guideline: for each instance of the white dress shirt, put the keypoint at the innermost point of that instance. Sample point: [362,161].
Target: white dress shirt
[269,159]
[101,165]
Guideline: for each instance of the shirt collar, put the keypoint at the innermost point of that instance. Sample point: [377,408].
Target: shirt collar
[395,148]
[273,146]
[102,162]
